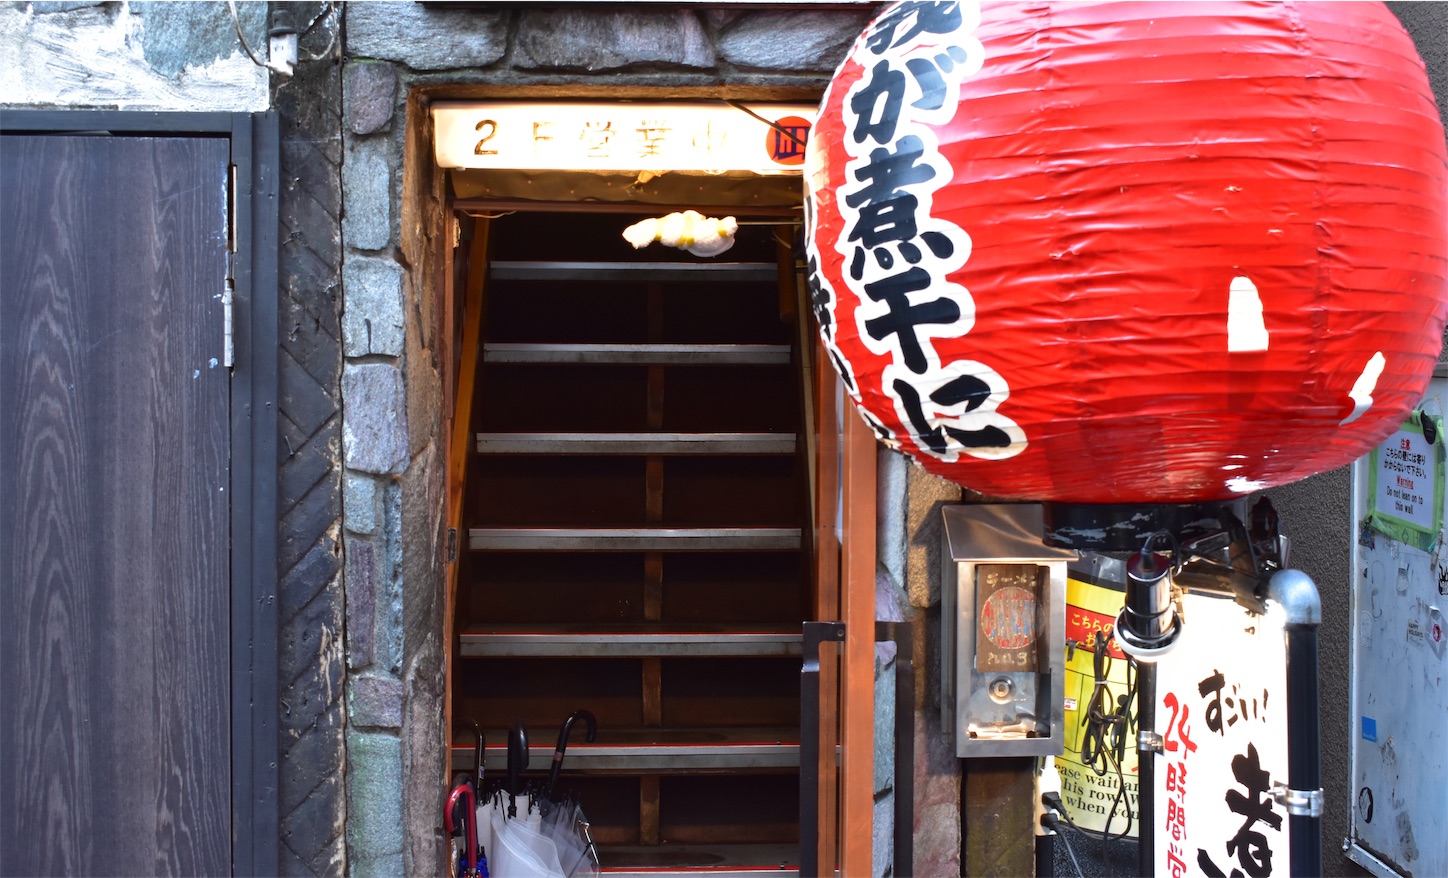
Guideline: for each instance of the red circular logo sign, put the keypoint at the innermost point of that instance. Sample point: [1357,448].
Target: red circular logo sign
[786,139]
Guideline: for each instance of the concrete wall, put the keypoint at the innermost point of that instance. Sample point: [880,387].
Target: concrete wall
[132,56]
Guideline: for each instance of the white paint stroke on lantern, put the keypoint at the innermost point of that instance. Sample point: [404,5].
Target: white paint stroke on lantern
[1244,485]
[1246,330]
[1362,389]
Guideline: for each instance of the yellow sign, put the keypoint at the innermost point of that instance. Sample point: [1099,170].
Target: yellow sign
[1089,777]
[622,136]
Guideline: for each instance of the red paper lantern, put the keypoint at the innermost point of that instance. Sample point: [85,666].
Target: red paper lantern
[1130,252]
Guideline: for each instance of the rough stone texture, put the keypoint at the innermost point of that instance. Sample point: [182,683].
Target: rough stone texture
[424,384]
[48,8]
[422,504]
[359,503]
[424,757]
[891,480]
[389,632]
[796,41]
[372,320]
[375,702]
[102,55]
[374,426]
[426,38]
[937,779]
[374,805]
[595,41]
[367,193]
[882,841]
[370,91]
[884,718]
[927,495]
[361,579]
[176,36]
[311,794]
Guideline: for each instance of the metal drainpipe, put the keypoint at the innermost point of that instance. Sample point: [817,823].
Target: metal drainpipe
[1296,593]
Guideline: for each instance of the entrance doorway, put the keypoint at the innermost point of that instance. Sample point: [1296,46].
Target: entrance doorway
[636,526]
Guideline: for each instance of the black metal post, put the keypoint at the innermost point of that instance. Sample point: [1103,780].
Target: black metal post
[809,742]
[1046,856]
[1296,593]
[1304,831]
[1145,768]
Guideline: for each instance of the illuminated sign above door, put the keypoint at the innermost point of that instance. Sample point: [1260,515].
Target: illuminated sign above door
[622,136]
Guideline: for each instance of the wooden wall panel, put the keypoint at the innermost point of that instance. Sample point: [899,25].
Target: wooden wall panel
[114,549]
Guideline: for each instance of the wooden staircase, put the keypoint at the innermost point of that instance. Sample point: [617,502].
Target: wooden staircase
[636,521]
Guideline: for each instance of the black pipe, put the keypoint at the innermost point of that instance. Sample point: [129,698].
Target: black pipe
[1296,593]
[1046,856]
[1304,831]
[1145,769]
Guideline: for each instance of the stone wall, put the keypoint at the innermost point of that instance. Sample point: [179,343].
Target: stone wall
[398,57]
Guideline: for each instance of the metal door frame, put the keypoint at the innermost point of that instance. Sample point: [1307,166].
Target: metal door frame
[255,153]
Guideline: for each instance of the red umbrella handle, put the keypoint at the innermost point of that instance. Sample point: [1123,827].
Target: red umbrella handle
[468,818]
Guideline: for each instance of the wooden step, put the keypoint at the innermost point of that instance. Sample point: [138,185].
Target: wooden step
[636,443]
[633,751]
[628,641]
[634,539]
[641,272]
[715,861]
[638,354]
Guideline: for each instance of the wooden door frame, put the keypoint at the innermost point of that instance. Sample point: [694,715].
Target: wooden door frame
[255,155]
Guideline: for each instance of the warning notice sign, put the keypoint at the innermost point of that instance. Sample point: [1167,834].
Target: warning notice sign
[1091,773]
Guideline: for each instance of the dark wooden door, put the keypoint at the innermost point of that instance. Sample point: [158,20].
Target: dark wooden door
[114,528]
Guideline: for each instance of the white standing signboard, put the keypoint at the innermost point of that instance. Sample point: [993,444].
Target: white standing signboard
[1221,710]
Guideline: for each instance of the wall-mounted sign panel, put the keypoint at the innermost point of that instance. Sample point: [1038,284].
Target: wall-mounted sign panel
[1221,710]
[1405,482]
[1398,802]
[615,136]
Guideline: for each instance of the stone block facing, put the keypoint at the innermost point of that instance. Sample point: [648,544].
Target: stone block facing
[361,580]
[374,805]
[599,41]
[795,41]
[375,702]
[372,319]
[369,92]
[367,194]
[359,503]
[426,39]
[374,425]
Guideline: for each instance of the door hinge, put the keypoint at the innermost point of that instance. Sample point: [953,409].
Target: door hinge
[228,338]
[452,545]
